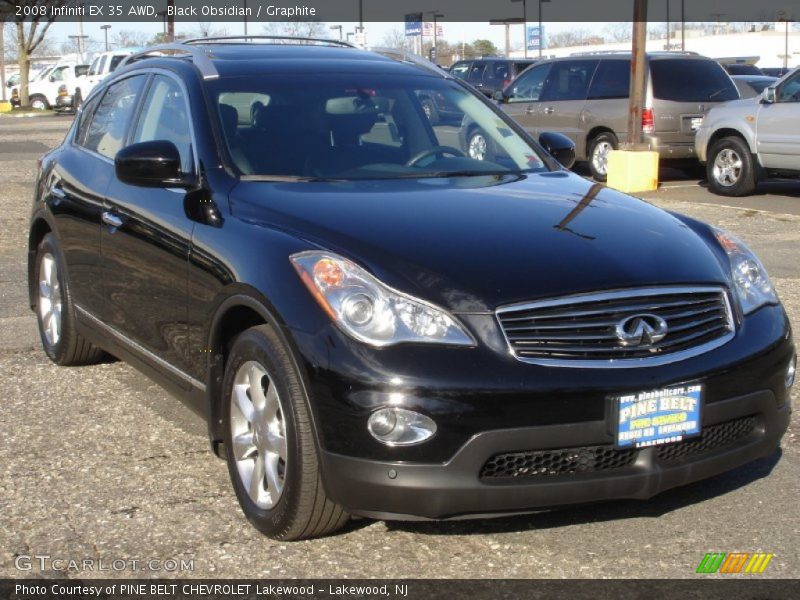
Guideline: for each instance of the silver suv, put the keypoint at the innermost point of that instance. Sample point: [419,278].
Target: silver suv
[751,139]
[586,98]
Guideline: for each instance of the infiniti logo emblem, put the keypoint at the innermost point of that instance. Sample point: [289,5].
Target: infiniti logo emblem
[641,330]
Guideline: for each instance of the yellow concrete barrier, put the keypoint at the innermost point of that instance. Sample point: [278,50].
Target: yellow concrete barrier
[5,106]
[630,171]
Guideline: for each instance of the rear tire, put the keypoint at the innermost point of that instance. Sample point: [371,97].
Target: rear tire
[599,147]
[730,169]
[55,312]
[270,444]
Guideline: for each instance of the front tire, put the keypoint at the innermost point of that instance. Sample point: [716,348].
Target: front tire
[478,145]
[39,102]
[730,169]
[599,148]
[55,312]
[271,447]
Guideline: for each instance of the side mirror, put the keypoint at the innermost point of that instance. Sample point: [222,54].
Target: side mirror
[769,95]
[151,164]
[498,96]
[559,147]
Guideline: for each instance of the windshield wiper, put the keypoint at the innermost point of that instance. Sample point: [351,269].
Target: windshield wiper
[436,174]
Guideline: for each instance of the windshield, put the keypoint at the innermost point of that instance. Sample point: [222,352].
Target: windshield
[364,126]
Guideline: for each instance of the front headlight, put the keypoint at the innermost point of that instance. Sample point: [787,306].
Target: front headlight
[750,279]
[369,310]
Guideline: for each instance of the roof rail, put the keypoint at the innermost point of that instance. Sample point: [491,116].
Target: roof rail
[199,57]
[284,39]
[408,57]
[612,52]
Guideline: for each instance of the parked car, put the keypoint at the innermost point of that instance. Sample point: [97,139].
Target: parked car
[753,139]
[375,324]
[750,86]
[742,69]
[775,71]
[489,75]
[585,97]
[102,65]
[12,80]
[43,92]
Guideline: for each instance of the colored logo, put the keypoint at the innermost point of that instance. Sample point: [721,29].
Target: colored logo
[734,562]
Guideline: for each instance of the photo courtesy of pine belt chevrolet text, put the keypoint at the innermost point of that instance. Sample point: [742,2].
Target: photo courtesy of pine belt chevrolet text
[373,321]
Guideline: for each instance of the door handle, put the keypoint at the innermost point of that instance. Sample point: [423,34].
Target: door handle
[549,110]
[529,110]
[111,219]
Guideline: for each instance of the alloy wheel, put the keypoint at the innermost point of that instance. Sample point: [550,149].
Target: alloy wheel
[258,434]
[600,157]
[50,299]
[477,147]
[727,167]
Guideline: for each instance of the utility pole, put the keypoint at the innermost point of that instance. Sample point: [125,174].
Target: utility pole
[683,25]
[667,48]
[105,29]
[637,74]
[171,21]
[3,60]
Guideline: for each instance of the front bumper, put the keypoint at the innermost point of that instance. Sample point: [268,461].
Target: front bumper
[398,490]
[485,403]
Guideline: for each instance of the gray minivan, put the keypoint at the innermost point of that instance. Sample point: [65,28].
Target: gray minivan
[586,98]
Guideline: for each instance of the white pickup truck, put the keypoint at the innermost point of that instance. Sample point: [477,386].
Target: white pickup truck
[101,66]
[43,92]
[748,140]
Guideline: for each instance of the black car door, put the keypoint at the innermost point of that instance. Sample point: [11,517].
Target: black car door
[146,237]
[77,188]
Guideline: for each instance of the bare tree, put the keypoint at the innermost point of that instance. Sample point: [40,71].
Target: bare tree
[575,37]
[618,32]
[207,30]
[29,33]
[314,29]
[127,38]
[396,39]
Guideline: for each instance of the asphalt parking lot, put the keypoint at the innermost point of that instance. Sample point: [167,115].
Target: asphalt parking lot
[100,463]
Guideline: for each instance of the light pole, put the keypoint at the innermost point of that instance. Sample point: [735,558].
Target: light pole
[524,26]
[339,27]
[105,29]
[541,33]
[245,19]
[683,25]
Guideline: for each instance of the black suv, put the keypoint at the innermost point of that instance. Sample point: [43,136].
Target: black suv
[373,323]
[489,75]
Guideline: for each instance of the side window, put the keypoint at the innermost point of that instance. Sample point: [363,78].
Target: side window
[58,74]
[568,80]
[790,89]
[611,80]
[165,117]
[106,132]
[81,70]
[101,68]
[528,86]
[460,70]
[476,72]
[95,66]
[87,111]
[498,72]
[114,63]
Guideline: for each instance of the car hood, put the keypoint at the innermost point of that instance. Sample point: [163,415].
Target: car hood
[472,244]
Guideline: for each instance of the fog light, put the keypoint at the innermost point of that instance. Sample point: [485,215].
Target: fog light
[400,427]
[791,371]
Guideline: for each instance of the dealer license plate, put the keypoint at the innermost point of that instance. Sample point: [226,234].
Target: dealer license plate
[658,416]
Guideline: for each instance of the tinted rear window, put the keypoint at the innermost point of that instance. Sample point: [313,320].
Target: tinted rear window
[743,69]
[691,80]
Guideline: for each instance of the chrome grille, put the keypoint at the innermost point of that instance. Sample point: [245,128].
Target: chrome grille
[581,330]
